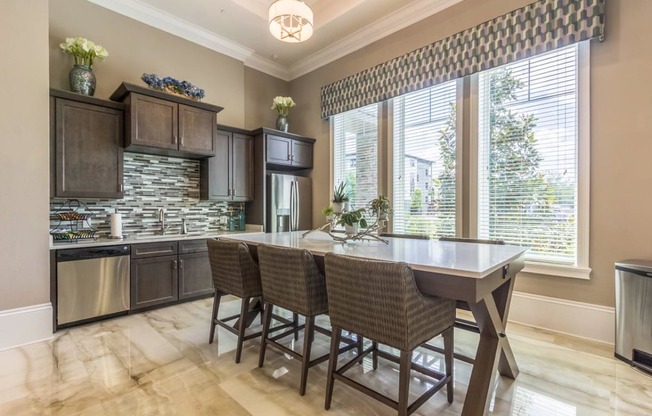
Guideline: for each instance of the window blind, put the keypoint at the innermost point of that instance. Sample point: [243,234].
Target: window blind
[424,162]
[528,135]
[355,153]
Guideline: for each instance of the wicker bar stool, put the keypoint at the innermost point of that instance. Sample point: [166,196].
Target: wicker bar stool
[380,300]
[236,273]
[292,281]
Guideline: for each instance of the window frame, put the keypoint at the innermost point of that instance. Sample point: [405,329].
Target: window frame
[581,269]
[467,174]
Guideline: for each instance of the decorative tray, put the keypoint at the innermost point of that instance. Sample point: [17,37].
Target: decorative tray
[73,216]
[59,235]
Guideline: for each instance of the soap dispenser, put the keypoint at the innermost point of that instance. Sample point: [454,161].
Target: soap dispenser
[231,221]
[241,218]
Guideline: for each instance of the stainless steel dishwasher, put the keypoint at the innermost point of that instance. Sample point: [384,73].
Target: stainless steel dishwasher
[92,282]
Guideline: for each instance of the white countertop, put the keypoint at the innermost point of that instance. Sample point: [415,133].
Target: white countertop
[138,239]
[461,259]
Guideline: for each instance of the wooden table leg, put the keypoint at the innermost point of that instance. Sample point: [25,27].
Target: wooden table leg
[254,308]
[494,352]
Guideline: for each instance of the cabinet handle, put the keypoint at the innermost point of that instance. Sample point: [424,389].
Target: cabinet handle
[181,140]
[121,188]
[233,193]
[292,157]
[174,264]
[181,264]
[174,140]
[288,156]
[228,193]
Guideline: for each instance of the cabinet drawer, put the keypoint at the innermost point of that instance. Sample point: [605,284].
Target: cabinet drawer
[192,246]
[139,251]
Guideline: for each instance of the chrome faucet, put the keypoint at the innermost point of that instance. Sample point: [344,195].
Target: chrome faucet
[161,219]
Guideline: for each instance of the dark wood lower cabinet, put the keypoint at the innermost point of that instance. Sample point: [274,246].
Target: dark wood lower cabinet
[168,272]
[154,281]
[194,275]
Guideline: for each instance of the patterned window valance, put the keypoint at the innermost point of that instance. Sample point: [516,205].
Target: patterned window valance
[530,30]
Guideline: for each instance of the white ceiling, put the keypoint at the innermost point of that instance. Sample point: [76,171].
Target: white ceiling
[238,28]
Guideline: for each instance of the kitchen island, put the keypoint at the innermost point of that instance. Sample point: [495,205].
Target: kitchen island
[480,274]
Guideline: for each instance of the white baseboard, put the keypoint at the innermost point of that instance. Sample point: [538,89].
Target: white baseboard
[578,319]
[26,325]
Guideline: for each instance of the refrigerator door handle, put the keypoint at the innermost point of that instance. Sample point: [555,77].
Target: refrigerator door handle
[292,208]
[297,202]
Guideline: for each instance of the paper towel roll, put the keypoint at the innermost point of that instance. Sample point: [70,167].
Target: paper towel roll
[116,225]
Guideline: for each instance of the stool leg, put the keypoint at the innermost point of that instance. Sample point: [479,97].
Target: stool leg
[336,336]
[360,339]
[295,322]
[216,307]
[308,335]
[267,321]
[374,355]
[449,346]
[241,329]
[404,382]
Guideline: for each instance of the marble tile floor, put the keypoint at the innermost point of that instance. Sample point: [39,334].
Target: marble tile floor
[160,363]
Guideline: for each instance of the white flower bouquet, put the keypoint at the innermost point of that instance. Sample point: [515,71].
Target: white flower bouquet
[283,105]
[85,51]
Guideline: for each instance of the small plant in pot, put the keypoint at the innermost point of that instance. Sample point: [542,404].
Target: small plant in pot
[328,212]
[380,207]
[351,220]
[340,198]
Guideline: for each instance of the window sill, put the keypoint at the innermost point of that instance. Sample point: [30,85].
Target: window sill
[560,270]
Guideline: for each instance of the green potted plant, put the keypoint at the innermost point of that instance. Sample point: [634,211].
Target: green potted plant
[340,198]
[350,220]
[328,212]
[380,207]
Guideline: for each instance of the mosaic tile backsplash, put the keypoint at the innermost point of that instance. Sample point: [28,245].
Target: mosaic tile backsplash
[151,183]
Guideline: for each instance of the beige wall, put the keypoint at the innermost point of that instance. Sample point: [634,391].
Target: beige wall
[260,90]
[621,108]
[135,48]
[24,118]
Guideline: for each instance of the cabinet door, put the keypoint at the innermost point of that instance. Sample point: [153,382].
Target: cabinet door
[153,122]
[243,164]
[154,281]
[196,130]
[195,277]
[279,150]
[219,168]
[301,154]
[88,154]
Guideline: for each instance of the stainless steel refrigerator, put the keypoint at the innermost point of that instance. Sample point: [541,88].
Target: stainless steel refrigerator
[289,203]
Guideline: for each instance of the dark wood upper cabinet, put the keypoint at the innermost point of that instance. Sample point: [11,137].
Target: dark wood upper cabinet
[279,150]
[196,130]
[152,122]
[301,154]
[228,176]
[86,147]
[165,124]
[289,151]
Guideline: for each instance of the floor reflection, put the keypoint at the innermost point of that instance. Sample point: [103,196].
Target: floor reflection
[160,362]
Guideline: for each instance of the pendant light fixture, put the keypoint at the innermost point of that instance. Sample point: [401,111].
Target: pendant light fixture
[290,20]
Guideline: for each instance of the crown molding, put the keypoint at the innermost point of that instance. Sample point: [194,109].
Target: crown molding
[268,66]
[167,22]
[400,19]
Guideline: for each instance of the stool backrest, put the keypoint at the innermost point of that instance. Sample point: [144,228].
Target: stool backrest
[291,280]
[370,297]
[234,270]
